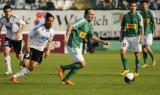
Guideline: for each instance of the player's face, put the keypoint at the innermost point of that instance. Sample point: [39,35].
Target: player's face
[90,15]
[133,7]
[145,6]
[49,22]
[8,13]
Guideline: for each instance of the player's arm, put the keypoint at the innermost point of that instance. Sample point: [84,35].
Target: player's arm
[95,38]
[141,29]
[155,33]
[68,32]
[1,25]
[121,30]
[22,26]
[48,48]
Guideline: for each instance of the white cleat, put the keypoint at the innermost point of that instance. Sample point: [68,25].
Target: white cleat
[8,73]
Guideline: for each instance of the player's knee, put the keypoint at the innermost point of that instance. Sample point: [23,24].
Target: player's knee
[122,52]
[83,64]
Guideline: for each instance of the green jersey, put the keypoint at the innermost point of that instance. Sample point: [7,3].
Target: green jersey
[81,29]
[131,24]
[148,20]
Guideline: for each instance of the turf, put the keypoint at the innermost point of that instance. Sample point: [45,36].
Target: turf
[100,77]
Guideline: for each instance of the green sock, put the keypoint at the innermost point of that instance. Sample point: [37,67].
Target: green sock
[70,74]
[125,63]
[150,52]
[76,65]
[137,64]
[145,57]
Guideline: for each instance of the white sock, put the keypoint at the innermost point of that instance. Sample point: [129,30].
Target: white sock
[8,63]
[22,72]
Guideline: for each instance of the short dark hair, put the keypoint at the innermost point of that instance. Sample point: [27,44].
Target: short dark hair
[86,11]
[145,1]
[7,7]
[48,15]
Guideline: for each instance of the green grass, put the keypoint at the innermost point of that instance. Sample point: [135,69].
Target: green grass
[101,76]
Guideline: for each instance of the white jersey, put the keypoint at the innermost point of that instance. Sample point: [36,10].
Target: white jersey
[12,26]
[40,36]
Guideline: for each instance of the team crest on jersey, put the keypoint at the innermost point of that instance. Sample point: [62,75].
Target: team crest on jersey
[82,34]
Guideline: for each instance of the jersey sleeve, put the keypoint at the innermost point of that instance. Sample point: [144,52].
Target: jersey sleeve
[90,33]
[153,17]
[140,19]
[123,21]
[78,23]
[33,31]
[52,35]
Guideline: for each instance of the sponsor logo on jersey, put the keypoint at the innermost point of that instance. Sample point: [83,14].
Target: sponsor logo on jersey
[133,26]
[82,34]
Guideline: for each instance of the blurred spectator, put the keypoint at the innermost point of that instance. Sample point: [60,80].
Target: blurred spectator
[73,4]
[50,5]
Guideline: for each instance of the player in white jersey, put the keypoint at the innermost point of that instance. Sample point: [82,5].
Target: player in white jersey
[14,27]
[39,38]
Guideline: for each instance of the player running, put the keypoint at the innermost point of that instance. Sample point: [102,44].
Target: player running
[76,33]
[14,27]
[39,38]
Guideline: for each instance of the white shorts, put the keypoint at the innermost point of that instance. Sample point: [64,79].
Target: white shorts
[76,54]
[131,43]
[148,39]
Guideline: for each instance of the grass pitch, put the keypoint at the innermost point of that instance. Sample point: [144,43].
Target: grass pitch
[101,76]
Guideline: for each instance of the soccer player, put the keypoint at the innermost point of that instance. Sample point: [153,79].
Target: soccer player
[150,29]
[131,36]
[39,38]
[75,34]
[14,27]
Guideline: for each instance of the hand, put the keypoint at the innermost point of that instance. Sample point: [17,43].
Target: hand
[141,40]
[106,43]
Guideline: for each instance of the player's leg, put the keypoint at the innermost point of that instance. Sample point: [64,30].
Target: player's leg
[150,52]
[7,58]
[78,62]
[148,47]
[17,46]
[30,62]
[136,48]
[145,55]
[137,61]
[123,49]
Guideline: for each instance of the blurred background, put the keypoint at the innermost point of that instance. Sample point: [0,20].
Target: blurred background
[106,23]
[72,4]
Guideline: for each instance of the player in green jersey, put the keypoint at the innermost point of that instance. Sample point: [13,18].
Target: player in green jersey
[131,36]
[149,30]
[76,33]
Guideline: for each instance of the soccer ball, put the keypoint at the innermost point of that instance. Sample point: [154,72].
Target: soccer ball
[129,78]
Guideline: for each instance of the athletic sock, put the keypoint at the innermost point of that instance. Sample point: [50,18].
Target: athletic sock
[150,52]
[70,74]
[125,63]
[22,72]
[145,57]
[76,65]
[8,63]
[137,61]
